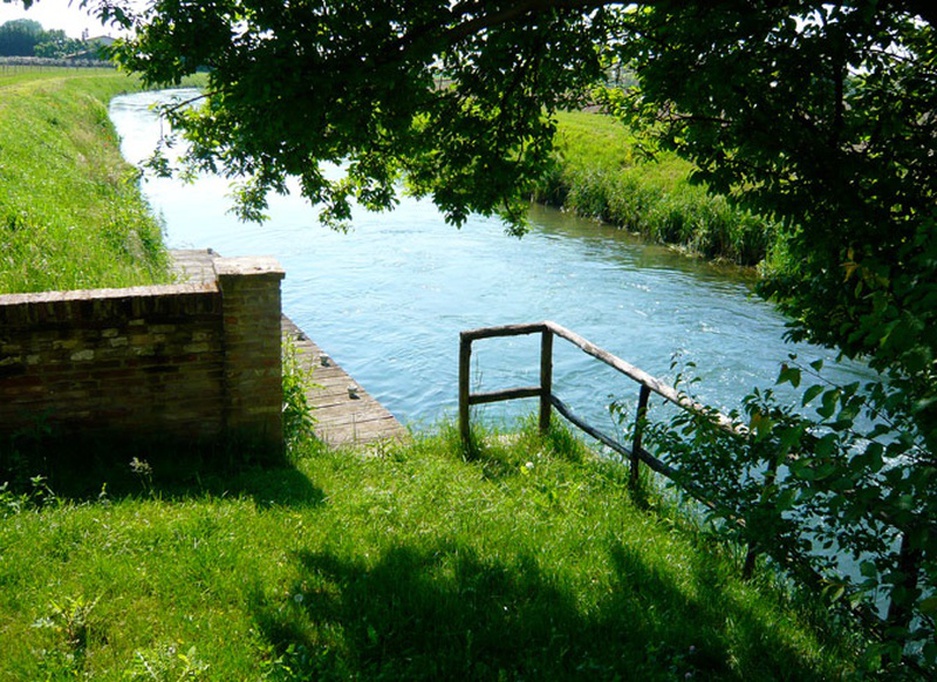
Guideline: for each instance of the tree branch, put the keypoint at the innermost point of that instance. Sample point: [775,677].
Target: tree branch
[520,9]
[181,105]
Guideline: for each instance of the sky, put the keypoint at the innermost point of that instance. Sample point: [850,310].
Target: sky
[56,14]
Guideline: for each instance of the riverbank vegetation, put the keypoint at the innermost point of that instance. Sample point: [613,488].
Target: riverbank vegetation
[523,560]
[600,172]
[71,212]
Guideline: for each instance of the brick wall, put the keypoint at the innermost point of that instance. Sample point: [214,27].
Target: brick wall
[197,362]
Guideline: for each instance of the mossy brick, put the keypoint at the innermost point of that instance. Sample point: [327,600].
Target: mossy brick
[141,338]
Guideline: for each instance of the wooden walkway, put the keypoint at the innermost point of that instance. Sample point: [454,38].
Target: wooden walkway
[346,415]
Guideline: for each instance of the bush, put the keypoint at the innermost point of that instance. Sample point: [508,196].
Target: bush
[842,499]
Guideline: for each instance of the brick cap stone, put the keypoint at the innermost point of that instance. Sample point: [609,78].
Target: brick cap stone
[249,266]
[104,294]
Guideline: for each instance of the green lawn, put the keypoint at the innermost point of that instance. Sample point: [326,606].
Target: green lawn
[524,561]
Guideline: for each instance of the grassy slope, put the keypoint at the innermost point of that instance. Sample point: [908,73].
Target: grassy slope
[71,214]
[415,564]
[600,174]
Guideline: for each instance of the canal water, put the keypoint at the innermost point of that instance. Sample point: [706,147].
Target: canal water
[388,299]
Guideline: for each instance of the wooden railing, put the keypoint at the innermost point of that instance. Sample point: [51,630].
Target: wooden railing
[898,615]
[548,330]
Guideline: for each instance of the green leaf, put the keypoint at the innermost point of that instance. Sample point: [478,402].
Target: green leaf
[760,425]
[930,652]
[826,445]
[829,400]
[810,394]
[835,591]
[875,457]
[790,437]
[929,606]
[802,469]
[790,375]
[785,500]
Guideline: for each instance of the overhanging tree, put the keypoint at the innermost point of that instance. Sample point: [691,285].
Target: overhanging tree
[823,114]
[454,98]
[827,119]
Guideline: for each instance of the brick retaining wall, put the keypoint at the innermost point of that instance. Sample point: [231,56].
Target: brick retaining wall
[197,362]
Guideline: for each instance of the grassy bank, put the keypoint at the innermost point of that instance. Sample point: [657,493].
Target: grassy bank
[599,174]
[71,213]
[526,561]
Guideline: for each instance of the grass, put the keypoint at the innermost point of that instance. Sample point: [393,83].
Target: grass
[13,74]
[71,212]
[600,173]
[526,560]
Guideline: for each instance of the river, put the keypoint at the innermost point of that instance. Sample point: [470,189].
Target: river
[388,299]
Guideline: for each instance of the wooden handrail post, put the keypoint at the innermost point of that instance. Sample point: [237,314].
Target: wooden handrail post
[639,419]
[546,379]
[465,366]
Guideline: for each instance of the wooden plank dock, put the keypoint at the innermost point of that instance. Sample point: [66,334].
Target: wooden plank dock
[346,415]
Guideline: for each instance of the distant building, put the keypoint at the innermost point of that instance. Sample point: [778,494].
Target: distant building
[101,41]
[93,48]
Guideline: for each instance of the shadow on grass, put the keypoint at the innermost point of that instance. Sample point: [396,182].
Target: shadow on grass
[445,613]
[84,471]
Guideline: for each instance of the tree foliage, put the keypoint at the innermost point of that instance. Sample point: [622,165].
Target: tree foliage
[819,114]
[823,116]
[454,98]
[27,38]
[19,37]
[839,493]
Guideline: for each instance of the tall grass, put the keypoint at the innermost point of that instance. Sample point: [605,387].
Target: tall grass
[600,173]
[525,560]
[71,212]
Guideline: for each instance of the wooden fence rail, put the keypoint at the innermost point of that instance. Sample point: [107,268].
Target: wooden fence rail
[548,330]
[898,615]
